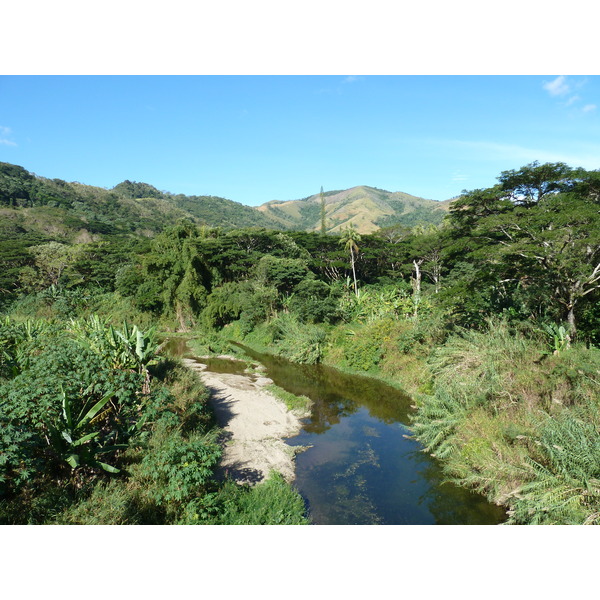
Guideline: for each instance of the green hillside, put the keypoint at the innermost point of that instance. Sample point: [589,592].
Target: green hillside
[36,210]
[56,207]
[366,208]
[208,210]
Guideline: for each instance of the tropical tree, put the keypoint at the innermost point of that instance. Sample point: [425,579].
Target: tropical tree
[349,240]
[554,246]
[534,240]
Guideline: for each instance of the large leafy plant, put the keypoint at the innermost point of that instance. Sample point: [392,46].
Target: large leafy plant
[72,444]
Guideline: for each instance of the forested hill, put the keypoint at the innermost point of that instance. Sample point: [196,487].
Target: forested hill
[42,206]
[30,204]
[365,208]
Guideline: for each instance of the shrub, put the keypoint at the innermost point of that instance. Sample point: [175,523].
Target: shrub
[566,486]
[314,301]
[228,302]
[284,274]
[297,342]
[272,502]
[175,470]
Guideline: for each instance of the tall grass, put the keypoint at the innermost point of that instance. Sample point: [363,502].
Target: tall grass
[517,422]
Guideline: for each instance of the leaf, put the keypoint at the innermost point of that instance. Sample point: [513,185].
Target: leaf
[108,467]
[73,460]
[66,409]
[94,411]
[139,346]
[84,439]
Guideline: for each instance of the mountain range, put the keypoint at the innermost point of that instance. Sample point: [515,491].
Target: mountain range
[53,208]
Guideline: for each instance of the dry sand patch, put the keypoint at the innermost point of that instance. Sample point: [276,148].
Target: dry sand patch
[255,424]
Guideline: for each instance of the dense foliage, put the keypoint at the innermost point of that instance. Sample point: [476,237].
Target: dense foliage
[97,428]
[490,318]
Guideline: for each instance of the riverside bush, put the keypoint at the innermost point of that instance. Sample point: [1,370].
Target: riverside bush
[298,342]
[271,502]
[566,485]
[314,301]
[526,438]
[69,402]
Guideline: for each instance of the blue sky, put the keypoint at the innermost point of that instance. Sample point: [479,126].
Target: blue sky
[258,138]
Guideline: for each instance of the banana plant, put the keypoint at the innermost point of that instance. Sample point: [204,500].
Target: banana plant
[73,447]
[558,335]
[126,348]
[135,348]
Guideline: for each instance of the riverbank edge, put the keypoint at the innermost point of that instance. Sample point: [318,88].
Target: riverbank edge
[413,388]
[252,438]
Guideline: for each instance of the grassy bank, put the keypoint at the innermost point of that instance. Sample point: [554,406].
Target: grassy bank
[510,418]
[506,412]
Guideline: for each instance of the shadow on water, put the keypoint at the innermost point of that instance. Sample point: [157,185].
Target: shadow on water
[362,467]
[335,394]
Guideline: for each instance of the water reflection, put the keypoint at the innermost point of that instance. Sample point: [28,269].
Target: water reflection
[335,394]
[362,467]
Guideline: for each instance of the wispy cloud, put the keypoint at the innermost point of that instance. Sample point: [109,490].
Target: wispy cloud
[561,87]
[590,159]
[458,176]
[351,79]
[5,134]
[558,86]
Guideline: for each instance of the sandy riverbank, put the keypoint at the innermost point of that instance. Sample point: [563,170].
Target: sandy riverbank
[254,422]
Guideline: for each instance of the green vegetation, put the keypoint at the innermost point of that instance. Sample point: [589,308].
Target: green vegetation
[301,404]
[366,208]
[488,318]
[99,429]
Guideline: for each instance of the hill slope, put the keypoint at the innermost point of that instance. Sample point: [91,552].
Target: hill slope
[366,208]
[58,209]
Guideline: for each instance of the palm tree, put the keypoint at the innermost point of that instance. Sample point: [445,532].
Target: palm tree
[349,238]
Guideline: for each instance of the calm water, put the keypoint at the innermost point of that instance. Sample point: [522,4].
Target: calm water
[361,467]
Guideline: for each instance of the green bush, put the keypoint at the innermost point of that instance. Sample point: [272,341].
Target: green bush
[566,487]
[231,300]
[175,470]
[296,341]
[67,411]
[284,274]
[314,301]
[272,502]
[517,423]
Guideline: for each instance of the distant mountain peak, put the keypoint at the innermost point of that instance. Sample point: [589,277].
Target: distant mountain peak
[365,207]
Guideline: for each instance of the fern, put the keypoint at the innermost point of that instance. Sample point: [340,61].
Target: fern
[437,421]
[566,485]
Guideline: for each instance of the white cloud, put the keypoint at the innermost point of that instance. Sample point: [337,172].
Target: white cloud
[351,79]
[558,86]
[572,99]
[495,151]
[589,108]
[5,133]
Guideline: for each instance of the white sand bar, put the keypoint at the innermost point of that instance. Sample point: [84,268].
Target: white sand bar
[255,424]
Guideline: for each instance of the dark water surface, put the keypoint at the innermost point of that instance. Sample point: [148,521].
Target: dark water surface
[361,467]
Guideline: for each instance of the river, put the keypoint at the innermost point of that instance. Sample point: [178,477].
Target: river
[362,467]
